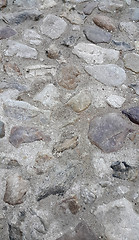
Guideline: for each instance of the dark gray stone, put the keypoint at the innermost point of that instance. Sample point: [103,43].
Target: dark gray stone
[132,114]
[97,35]
[2,130]
[88,9]
[108,132]
[6,32]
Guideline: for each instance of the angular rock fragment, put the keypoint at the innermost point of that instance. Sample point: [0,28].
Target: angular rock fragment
[97,35]
[131,61]
[39,71]
[53,52]
[135,15]
[122,46]
[68,77]
[16,188]
[21,135]
[132,114]
[110,6]
[3,3]
[48,4]
[128,27]
[67,144]
[88,9]
[108,132]
[20,50]
[93,54]
[110,74]
[104,22]
[81,232]
[13,85]
[41,163]
[80,102]
[2,129]
[126,172]
[72,16]
[11,69]
[119,219]
[21,17]
[48,96]
[115,101]
[69,41]
[53,26]
[32,36]
[135,87]
[6,32]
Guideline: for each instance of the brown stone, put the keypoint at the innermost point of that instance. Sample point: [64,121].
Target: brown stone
[21,135]
[73,206]
[16,188]
[11,69]
[69,77]
[104,22]
[3,3]
[108,132]
[6,32]
[66,144]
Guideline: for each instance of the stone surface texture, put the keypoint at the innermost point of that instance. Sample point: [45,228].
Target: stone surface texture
[69,119]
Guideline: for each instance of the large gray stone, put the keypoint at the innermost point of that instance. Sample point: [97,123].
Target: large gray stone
[97,35]
[131,61]
[110,5]
[20,50]
[135,15]
[93,54]
[53,26]
[110,74]
[108,132]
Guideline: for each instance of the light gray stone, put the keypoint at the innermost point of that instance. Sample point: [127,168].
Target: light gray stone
[48,96]
[135,15]
[47,4]
[120,220]
[80,102]
[93,54]
[16,188]
[131,61]
[128,27]
[97,35]
[20,50]
[72,16]
[115,101]
[32,36]
[110,5]
[53,26]
[110,74]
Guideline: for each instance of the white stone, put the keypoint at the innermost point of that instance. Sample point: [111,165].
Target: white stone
[122,189]
[93,54]
[32,36]
[47,4]
[115,101]
[53,26]
[41,71]
[80,102]
[48,96]
[110,74]
[119,219]
[20,50]
[128,27]
[72,16]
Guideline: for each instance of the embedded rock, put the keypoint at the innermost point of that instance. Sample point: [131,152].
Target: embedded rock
[80,102]
[115,101]
[53,26]
[6,32]
[3,3]
[93,54]
[135,15]
[2,129]
[131,61]
[108,132]
[97,35]
[21,135]
[16,188]
[67,144]
[20,50]
[132,114]
[104,22]
[88,9]
[110,74]
[110,6]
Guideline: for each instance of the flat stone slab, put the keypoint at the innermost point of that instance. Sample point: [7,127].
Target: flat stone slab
[108,132]
[115,101]
[97,35]
[53,26]
[93,54]
[110,74]
[20,50]
[131,61]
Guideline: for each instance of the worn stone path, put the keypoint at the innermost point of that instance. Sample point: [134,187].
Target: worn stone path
[69,119]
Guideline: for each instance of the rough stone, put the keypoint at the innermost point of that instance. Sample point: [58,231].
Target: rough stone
[15,232]
[16,188]
[6,32]
[68,77]
[2,129]
[81,232]
[137,45]
[11,69]
[69,41]
[32,36]
[120,220]
[135,15]
[39,71]
[115,101]
[3,3]
[25,3]
[97,35]
[131,61]
[48,4]
[104,22]
[88,9]
[21,135]
[42,163]
[48,96]
[108,132]
[72,16]
[135,87]
[3,228]
[93,54]
[67,144]
[132,114]
[53,52]
[80,102]
[110,6]
[110,74]
[53,26]
[20,50]
[129,27]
